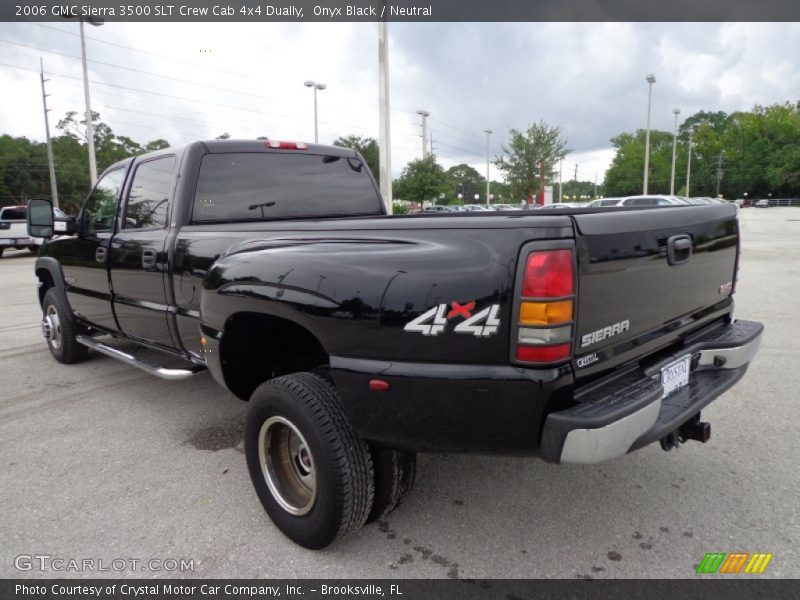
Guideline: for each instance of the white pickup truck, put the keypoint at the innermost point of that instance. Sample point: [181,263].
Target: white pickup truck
[14,229]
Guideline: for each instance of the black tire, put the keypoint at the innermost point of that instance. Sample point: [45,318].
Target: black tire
[33,248]
[1,252]
[302,414]
[63,345]
[395,471]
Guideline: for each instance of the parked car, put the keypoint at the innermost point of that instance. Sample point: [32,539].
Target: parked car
[653,200]
[603,202]
[562,205]
[503,207]
[436,208]
[763,203]
[318,309]
[475,207]
[14,228]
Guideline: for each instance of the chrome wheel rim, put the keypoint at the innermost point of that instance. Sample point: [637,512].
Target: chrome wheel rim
[51,327]
[287,465]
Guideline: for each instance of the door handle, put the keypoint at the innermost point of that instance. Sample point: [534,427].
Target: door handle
[679,249]
[148,259]
[100,254]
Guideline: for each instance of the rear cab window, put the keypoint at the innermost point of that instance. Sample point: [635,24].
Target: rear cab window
[249,186]
[17,213]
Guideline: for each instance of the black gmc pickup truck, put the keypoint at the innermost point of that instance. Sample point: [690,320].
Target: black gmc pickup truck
[360,338]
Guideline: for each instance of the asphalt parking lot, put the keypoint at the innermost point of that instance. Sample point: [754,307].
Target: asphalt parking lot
[102,461]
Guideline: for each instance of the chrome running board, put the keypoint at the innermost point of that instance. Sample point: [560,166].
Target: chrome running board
[190,370]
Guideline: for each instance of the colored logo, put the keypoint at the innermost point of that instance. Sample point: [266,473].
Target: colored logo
[434,321]
[734,562]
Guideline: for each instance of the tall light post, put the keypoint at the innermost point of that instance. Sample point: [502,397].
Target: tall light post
[651,79]
[315,86]
[676,112]
[424,114]
[689,161]
[384,126]
[488,132]
[89,124]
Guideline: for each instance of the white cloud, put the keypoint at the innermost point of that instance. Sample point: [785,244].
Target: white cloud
[248,79]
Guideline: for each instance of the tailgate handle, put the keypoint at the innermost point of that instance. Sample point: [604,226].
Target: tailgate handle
[679,249]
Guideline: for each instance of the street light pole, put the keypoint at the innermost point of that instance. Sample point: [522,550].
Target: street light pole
[315,86]
[676,112]
[651,79]
[488,132]
[424,114]
[384,142]
[689,161]
[89,124]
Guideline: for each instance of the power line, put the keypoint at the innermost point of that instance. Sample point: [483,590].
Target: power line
[140,71]
[131,48]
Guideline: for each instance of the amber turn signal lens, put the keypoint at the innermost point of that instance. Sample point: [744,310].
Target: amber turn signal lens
[545,313]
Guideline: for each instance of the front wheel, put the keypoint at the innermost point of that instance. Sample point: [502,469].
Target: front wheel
[60,329]
[310,471]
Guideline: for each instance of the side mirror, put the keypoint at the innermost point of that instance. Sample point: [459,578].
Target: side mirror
[66,225]
[40,218]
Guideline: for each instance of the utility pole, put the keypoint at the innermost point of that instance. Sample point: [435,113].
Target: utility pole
[719,172]
[594,193]
[424,114]
[561,181]
[689,161]
[488,132]
[53,187]
[384,143]
[576,172]
[432,152]
[89,124]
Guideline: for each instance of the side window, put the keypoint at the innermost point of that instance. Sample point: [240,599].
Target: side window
[148,199]
[101,207]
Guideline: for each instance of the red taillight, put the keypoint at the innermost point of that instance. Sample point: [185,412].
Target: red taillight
[546,309]
[543,354]
[548,274]
[285,145]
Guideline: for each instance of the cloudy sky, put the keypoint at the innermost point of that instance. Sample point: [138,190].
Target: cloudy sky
[184,82]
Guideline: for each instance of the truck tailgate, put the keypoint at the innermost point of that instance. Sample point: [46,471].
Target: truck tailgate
[646,273]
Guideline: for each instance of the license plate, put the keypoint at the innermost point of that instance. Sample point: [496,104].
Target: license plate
[675,375]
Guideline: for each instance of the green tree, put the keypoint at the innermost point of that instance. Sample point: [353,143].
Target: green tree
[465,180]
[756,151]
[530,153]
[574,191]
[23,163]
[367,147]
[422,180]
[626,174]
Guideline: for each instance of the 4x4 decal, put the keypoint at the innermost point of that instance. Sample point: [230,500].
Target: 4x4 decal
[434,321]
